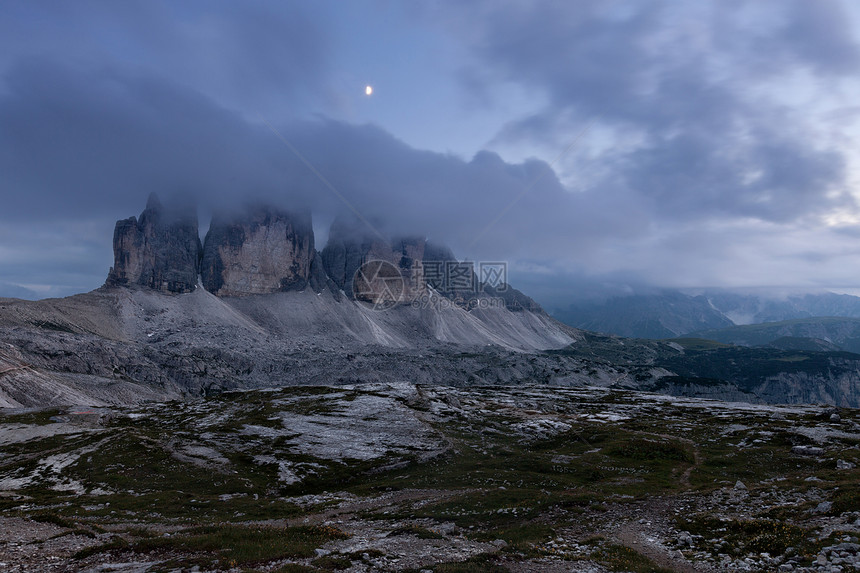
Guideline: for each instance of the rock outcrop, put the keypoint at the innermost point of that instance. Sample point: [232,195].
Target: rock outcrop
[264,251]
[420,264]
[161,250]
[351,245]
[459,281]
[344,253]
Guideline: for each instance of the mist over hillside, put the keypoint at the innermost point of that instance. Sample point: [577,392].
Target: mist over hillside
[670,313]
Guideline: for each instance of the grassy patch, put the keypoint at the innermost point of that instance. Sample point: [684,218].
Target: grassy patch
[751,535]
[114,544]
[483,563]
[521,538]
[621,558]
[53,519]
[652,450]
[847,498]
[698,343]
[36,417]
[235,545]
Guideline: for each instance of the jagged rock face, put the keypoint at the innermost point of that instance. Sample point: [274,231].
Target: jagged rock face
[515,301]
[351,245]
[410,251]
[420,264]
[265,251]
[161,250]
[434,258]
[318,280]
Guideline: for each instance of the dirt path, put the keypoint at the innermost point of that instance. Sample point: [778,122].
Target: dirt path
[636,536]
[697,461]
[646,536]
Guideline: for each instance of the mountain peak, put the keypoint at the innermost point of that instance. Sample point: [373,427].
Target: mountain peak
[153,203]
[264,249]
[161,253]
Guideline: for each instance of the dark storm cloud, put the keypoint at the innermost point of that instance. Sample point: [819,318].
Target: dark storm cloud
[91,146]
[690,82]
[695,133]
[267,56]
[97,143]
[776,179]
[85,144]
[815,34]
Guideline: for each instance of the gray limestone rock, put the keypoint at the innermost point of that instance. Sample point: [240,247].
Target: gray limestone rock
[263,251]
[161,250]
[351,244]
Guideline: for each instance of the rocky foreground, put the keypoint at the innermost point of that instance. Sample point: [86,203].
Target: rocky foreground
[398,477]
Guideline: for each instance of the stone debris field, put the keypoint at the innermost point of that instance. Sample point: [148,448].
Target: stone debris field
[399,477]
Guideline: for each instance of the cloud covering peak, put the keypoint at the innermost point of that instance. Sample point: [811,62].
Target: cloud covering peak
[720,147]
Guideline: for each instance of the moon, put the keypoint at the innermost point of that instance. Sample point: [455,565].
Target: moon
[368,90]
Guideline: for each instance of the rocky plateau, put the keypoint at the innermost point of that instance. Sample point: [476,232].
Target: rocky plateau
[403,477]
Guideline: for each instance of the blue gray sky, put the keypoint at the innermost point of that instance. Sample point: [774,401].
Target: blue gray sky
[642,142]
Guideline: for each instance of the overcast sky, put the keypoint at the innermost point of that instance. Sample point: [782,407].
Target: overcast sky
[666,143]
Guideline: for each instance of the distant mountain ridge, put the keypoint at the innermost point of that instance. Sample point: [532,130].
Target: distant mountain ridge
[664,315]
[817,333]
[670,313]
[756,309]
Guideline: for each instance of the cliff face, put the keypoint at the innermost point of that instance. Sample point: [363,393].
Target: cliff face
[161,250]
[415,264]
[262,252]
[349,246]
[265,250]
[352,245]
